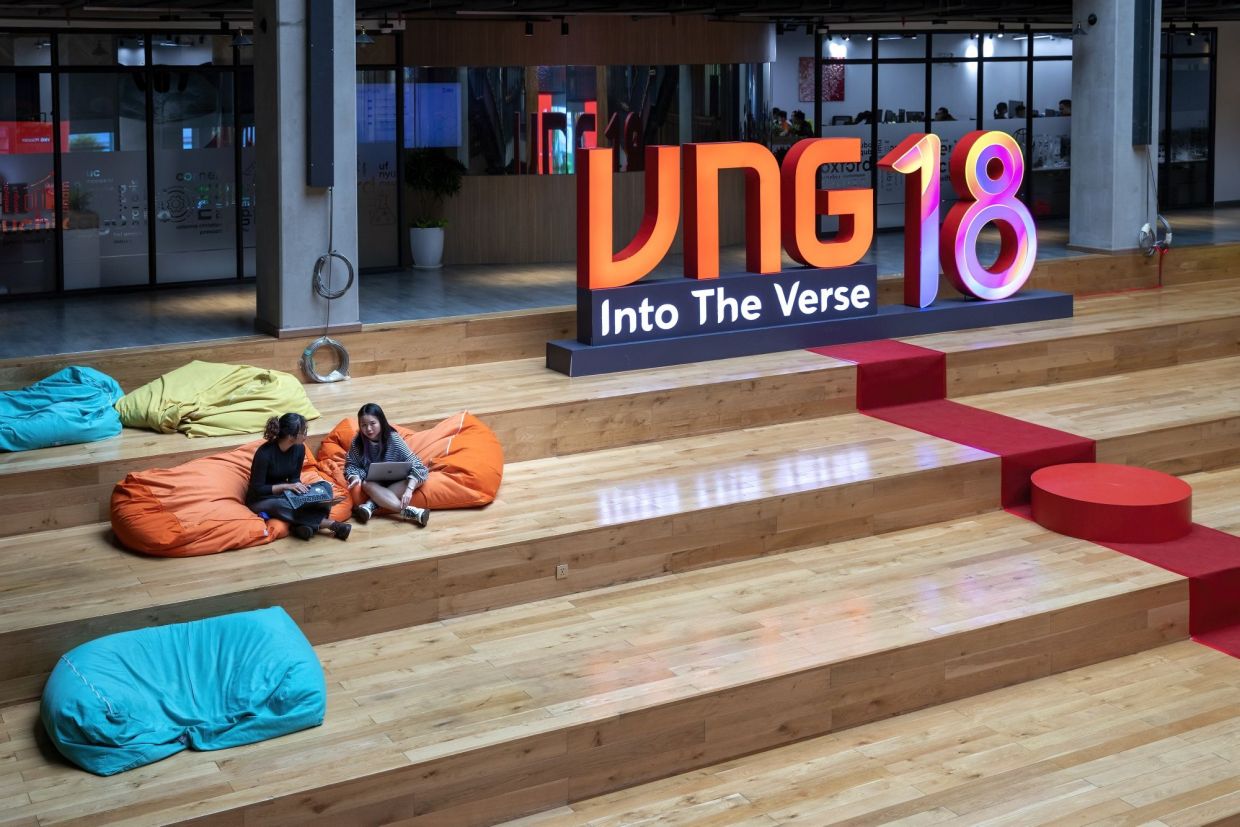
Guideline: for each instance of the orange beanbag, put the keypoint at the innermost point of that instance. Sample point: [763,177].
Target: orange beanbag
[464,457]
[199,507]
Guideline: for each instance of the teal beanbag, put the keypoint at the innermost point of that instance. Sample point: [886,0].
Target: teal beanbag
[133,698]
[72,405]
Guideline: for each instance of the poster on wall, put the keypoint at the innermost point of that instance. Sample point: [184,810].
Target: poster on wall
[832,80]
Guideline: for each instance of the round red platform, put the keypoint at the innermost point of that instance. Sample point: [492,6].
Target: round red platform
[1112,503]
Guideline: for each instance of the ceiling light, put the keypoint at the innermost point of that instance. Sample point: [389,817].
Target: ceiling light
[241,39]
[809,29]
[364,39]
[1001,30]
[1192,32]
[868,38]
[1078,30]
[99,51]
[563,26]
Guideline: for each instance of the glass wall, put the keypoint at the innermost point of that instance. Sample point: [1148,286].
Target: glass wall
[129,144]
[527,120]
[106,200]
[27,173]
[1186,135]
[883,86]
[378,242]
[195,175]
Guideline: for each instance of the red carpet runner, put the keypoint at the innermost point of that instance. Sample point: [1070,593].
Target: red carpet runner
[907,385]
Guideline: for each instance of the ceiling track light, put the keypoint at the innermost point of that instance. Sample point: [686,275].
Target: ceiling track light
[564,27]
[1192,32]
[364,39]
[1001,29]
[529,28]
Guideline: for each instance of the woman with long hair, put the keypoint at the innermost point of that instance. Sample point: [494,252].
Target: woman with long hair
[276,470]
[377,441]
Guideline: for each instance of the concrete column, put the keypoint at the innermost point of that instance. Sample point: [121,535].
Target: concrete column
[1113,193]
[293,217]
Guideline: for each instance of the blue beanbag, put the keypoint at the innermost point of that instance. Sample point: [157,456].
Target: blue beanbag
[70,406]
[133,698]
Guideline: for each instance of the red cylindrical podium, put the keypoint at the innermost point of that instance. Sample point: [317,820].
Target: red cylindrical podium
[1112,503]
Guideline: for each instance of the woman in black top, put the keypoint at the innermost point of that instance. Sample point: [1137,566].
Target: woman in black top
[277,469]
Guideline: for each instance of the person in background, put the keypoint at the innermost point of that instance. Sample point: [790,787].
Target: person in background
[801,128]
[864,117]
[1001,111]
[377,441]
[941,114]
[1065,107]
[780,127]
[1020,111]
[276,469]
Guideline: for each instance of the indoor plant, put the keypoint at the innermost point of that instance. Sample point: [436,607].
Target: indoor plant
[433,176]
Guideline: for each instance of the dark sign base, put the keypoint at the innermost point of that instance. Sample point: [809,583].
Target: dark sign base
[571,357]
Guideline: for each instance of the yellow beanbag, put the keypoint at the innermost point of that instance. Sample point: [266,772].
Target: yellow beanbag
[209,399]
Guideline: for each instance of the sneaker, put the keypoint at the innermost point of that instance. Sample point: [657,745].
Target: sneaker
[341,530]
[303,532]
[413,514]
[362,513]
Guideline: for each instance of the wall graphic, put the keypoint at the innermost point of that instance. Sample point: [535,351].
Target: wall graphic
[832,80]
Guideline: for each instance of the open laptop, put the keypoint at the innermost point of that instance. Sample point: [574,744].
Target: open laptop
[388,471]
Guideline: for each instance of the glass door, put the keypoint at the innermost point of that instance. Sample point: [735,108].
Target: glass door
[378,236]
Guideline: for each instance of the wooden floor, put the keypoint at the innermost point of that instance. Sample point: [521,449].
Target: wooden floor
[716,498]
[749,564]
[555,697]
[1152,738]
[538,413]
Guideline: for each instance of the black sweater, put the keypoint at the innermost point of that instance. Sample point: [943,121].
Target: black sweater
[272,467]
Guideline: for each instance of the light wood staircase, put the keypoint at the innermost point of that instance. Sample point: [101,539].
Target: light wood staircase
[750,563]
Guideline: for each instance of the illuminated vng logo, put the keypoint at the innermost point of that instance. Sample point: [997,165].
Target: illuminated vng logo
[782,205]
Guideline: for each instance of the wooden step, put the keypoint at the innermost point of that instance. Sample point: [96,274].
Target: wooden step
[1178,419]
[479,718]
[1151,738]
[538,413]
[612,515]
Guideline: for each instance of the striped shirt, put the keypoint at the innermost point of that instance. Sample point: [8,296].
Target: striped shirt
[363,452]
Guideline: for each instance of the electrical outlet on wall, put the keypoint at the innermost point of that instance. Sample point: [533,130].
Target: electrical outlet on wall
[561,571]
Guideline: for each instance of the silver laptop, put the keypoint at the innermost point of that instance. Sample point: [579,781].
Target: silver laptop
[388,471]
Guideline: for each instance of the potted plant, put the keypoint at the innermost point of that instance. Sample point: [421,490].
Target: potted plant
[433,176]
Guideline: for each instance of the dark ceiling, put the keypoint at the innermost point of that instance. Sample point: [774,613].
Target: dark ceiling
[827,11]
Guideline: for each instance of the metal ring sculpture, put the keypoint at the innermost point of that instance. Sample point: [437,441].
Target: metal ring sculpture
[324,264]
[339,373]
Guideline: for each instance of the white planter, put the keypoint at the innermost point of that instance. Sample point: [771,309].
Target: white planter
[426,246]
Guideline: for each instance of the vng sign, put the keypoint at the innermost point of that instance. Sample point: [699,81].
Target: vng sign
[625,324]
